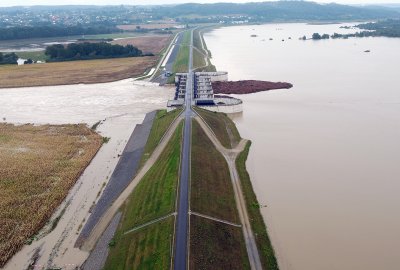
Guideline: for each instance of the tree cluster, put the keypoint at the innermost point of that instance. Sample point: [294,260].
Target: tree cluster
[25,32]
[386,28]
[8,59]
[85,51]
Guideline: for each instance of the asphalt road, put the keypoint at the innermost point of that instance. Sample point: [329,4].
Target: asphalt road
[182,223]
[162,79]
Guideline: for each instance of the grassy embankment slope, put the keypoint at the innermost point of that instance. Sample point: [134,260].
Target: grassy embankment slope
[182,59]
[154,197]
[223,127]
[264,245]
[199,53]
[160,125]
[74,72]
[213,245]
[39,165]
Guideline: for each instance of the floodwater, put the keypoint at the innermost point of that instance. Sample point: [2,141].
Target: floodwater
[120,106]
[326,153]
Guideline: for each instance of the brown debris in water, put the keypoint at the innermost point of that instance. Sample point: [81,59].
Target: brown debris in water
[247,86]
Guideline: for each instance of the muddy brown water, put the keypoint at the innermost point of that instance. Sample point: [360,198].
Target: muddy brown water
[121,106]
[326,154]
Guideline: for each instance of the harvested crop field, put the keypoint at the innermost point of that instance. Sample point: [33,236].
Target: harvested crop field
[149,44]
[39,165]
[74,72]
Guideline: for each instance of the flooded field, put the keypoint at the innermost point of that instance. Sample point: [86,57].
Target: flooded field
[120,106]
[325,154]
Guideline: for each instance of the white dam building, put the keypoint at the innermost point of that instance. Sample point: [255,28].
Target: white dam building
[203,95]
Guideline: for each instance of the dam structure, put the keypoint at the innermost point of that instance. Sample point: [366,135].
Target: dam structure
[203,93]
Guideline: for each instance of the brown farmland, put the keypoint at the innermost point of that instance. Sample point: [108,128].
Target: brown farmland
[149,44]
[39,165]
[247,87]
[74,72]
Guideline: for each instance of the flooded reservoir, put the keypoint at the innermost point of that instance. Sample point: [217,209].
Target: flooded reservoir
[326,153]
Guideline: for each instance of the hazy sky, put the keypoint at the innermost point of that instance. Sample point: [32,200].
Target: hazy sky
[141,2]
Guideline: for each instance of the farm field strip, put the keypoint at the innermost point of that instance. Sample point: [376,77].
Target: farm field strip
[39,166]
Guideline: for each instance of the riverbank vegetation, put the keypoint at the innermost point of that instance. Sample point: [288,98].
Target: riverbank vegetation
[385,28]
[213,245]
[154,197]
[267,254]
[61,73]
[222,126]
[39,165]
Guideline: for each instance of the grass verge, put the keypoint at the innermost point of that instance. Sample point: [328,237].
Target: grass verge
[223,127]
[182,59]
[160,126]
[198,58]
[39,165]
[215,245]
[148,248]
[152,198]
[211,187]
[264,245]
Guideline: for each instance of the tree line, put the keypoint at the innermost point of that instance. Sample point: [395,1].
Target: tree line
[86,51]
[25,32]
[8,59]
[386,28]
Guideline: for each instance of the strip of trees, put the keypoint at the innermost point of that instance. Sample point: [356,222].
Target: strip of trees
[25,32]
[86,51]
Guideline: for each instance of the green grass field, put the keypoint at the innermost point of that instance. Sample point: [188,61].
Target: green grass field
[160,126]
[35,56]
[211,186]
[264,245]
[198,57]
[198,60]
[182,59]
[223,127]
[153,197]
[149,248]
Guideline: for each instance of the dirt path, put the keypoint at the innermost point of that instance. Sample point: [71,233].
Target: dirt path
[230,155]
[112,210]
